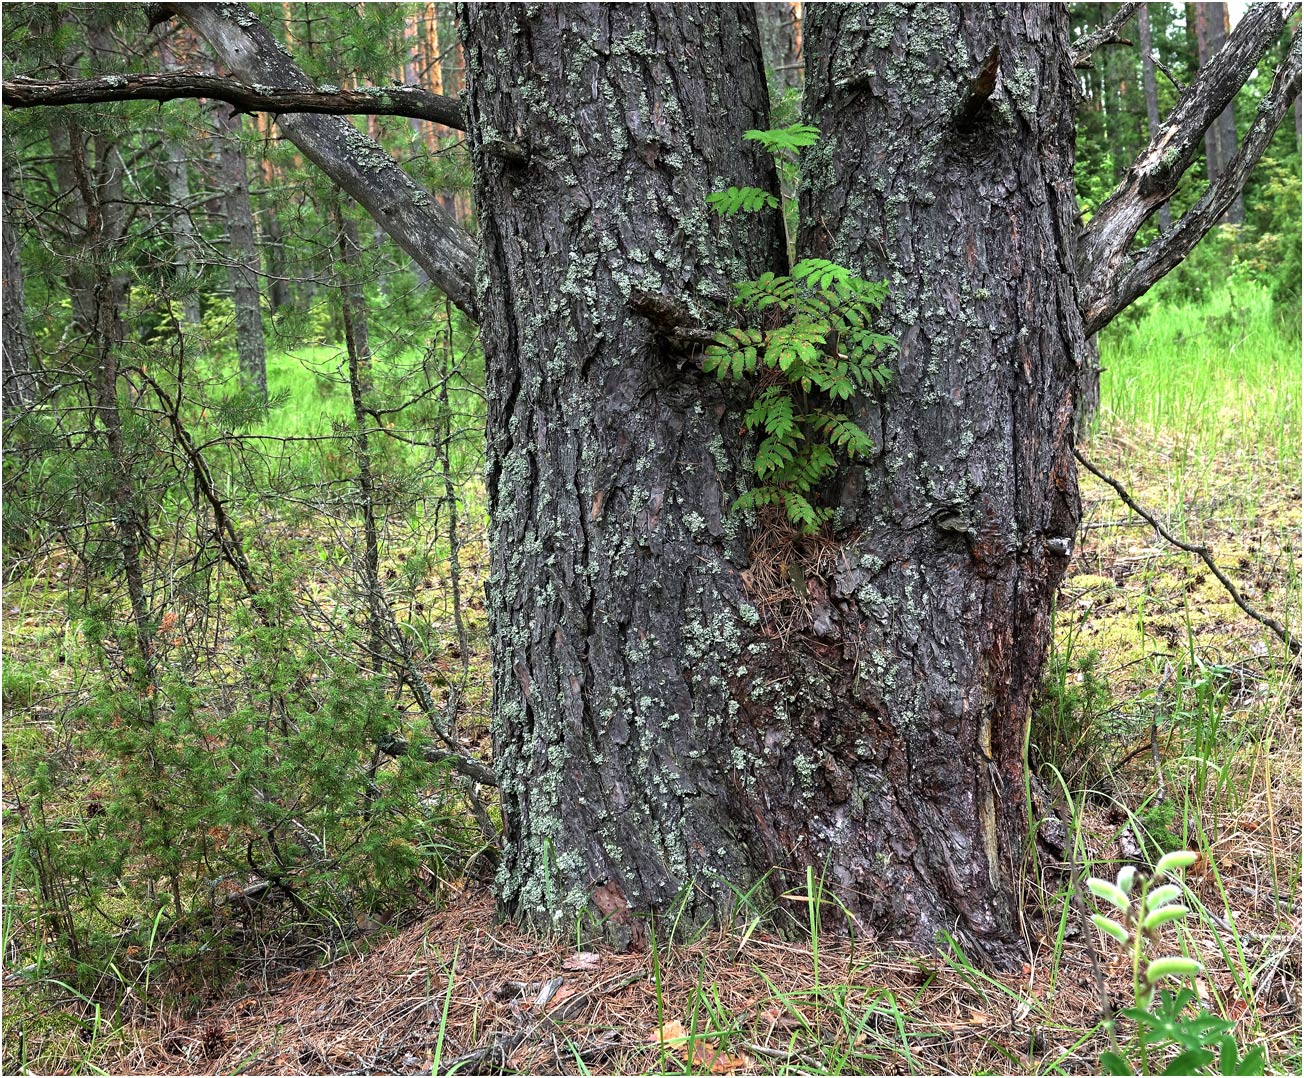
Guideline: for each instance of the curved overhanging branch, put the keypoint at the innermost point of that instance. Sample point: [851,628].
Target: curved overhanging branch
[410,101]
[1103,250]
[1143,268]
[356,163]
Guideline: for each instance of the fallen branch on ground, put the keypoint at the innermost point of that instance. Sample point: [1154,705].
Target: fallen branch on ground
[1203,552]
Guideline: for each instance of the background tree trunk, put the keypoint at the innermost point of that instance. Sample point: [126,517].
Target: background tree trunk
[233,176]
[20,379]
[1151,93]
[780,42]
[176,173]
[617,616]
[1220,137]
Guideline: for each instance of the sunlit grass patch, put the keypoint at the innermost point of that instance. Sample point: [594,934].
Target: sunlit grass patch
[1222,374]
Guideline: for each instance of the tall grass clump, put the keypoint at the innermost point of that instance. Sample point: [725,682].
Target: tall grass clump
[1218,369]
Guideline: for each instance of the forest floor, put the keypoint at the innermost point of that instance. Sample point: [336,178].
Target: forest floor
[1148,647]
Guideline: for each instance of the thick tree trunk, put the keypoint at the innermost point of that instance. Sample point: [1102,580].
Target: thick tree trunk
[657,731]
[956,533]
[1220,137]
[233,176]
[1151,89]
[619,627]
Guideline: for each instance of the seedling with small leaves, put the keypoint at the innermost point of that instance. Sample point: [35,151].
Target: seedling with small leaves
[810,346]
[1141,907]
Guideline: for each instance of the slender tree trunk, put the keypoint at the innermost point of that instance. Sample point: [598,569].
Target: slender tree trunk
[176,174]
[354,311]
[278,284]
[1151,89]
[185,250]
[21,382]
[780,27]
[77,274]
[1220,138]
[233,175]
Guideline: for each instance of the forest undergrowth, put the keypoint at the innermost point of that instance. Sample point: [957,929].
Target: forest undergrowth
[1167,720]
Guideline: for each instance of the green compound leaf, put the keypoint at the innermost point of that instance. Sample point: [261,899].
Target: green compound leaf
[733,200]
[781,139]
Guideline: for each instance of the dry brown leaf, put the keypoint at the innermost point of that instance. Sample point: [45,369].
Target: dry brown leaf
[668,1031]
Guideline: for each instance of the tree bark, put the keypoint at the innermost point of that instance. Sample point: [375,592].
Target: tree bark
[1151,90]
[955,534]
[617,615]
[1220,137]
[233,175]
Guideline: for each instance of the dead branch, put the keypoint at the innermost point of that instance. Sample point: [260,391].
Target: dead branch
[356,163]
[1143,268]
[1108,34]
[1104,247]
[410,101]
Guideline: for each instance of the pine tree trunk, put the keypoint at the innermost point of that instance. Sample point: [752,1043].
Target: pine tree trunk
[1151,90]
[780,27]
[176,173]
[20,379]
[619,624]
[1220,138]
[670,730]
[233,176]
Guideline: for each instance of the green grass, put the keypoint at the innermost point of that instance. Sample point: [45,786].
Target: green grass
[1224,372]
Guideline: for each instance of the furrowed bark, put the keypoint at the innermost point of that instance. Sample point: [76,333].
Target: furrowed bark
[618,622]
[1145,267]
[357,164]
[20,378]
[1103,250]
[912,701]
[411,101]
